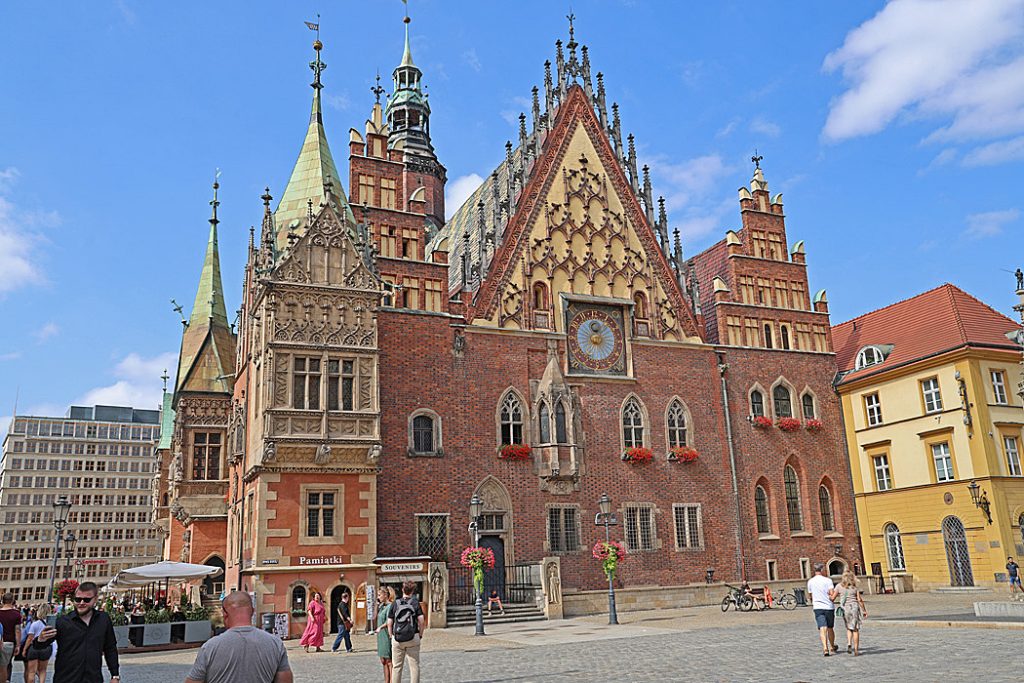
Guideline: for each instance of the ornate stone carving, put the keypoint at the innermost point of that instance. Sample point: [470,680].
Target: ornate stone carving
[373,453]
[438,590]
[554,583]
[177,468]
[186,548]
[323,454]
[269,451]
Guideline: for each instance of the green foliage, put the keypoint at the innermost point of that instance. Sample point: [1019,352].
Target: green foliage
[117,617]
[196,613]
[157,616]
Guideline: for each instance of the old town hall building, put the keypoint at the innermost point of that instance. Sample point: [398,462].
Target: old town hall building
[534,350]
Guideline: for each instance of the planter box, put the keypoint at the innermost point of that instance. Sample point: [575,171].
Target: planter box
[121,633]
[157,634]
[198,631]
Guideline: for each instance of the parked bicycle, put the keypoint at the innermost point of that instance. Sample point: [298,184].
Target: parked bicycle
[736,598]
[785,599]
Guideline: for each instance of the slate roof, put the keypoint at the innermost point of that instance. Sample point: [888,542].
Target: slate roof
[707,264]
[936,321]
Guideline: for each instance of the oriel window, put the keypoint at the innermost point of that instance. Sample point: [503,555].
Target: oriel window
[306,383]
[341,380]
[206,456]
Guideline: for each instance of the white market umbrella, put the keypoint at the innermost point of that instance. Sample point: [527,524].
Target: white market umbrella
[164,571]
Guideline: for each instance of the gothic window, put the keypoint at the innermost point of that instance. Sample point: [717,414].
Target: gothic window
[544,423]
[423,434]
[632,424]
[561,436]
[828,522]
[768,336]
[341,377]
[676,425]
[784,336]
[540,296]
[764,521]
[511,420]
[756,403]
[807,401]
[306,383]
[782,401]
[206,456]
[640,306]
[796,521]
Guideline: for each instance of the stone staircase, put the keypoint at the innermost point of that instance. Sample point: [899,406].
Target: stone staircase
[465,615]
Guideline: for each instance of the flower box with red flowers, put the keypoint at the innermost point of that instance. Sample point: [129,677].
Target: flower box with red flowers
[814,426]
[762,422]
[65,589]
[515,451]
[683,454]
[789,424]
[638,454]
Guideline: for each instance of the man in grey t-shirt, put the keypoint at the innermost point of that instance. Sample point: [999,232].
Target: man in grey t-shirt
[243,653]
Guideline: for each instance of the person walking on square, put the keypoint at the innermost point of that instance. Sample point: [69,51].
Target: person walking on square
[37,654]
[405,624]
[851,601]
[316,616]
[10,624]
[1014,573]
[84,637]
[243,653]
[821,588]
[344,624]
[385,598]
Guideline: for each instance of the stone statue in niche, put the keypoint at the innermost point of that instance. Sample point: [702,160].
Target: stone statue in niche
[554,584]
[437,591]
[177,468]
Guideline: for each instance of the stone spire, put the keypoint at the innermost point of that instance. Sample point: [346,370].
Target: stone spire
[408,112]
[311,172]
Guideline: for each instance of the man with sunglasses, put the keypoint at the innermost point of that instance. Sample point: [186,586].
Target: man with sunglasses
[83,638]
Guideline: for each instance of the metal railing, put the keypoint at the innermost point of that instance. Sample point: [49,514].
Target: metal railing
[515,584]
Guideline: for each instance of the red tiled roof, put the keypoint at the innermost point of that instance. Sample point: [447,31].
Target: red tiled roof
[935,321]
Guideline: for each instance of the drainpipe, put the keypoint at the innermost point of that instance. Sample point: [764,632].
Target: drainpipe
[722,368]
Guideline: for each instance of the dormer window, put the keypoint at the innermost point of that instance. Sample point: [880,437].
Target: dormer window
[869,355]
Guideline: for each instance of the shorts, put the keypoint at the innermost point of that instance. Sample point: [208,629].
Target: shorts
[1015,580]
[6,654]
[825,618]
[42,654]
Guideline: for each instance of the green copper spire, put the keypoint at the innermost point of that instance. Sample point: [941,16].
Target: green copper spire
[209,304]
[407,56]
[315,178]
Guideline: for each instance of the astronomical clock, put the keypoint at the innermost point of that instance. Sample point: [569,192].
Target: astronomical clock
[596,339]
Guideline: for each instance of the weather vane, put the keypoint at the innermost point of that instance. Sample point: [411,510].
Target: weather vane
[757,159]
[377,90]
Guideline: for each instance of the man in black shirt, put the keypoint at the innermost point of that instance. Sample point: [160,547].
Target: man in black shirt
[82,638]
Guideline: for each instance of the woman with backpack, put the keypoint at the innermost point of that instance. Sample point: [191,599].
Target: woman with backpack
[37,655]
[385,598]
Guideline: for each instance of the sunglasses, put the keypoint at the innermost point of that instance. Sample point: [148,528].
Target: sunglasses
[81,599]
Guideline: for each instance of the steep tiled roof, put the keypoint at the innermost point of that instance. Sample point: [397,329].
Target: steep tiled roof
[707,264]
[935,321]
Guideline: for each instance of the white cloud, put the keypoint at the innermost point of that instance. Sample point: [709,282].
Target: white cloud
[996,153]
[727,128]
[955,60]
[471,59]
[763,126]
[339,101]
[941,159]
[19,239]
[138,382]
[523,106]
[48,330]
[989,223]
[457,192]
[693,194]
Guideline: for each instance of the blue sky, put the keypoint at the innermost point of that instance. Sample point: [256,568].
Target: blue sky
[895,132]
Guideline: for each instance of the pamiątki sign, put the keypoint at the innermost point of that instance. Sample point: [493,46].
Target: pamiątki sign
[319,560]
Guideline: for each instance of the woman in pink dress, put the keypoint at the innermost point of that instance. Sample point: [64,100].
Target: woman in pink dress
[315,617]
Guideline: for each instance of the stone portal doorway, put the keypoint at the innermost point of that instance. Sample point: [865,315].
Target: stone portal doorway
[494,579]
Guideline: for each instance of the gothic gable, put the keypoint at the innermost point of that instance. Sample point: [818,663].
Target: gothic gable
[579,230]
[326,255]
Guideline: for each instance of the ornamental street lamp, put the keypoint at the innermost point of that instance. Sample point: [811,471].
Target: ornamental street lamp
[476,506]
[70,541]
[61,509]
[606,518]
[980,500]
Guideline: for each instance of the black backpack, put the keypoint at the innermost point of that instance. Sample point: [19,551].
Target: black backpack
[405,626]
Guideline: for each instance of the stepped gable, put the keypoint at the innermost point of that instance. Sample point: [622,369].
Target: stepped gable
[933,322]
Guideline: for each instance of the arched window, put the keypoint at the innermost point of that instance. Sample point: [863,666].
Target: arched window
[784,336]
[768,335]
[869,355]
[676,425]
[544,423]
[756,403]
[632,424]
[540,296]
[764,521]
[640,306]
[782,401]
[299,599]
[511,420]
[825,503]
[807,402]
[561,435]
[894,548]
[796,520]
[423,434]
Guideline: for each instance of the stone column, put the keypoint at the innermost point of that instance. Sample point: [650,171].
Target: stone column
[437,594]
[551,580]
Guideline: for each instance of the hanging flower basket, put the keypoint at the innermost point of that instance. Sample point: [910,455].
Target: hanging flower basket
[683,454]
[65,589]
[515,451]
[814,426]
[478,559]
[638,454]
[789,424]
[611,553]
[762,422]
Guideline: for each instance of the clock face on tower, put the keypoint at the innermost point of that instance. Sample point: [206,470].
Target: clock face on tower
[595,338]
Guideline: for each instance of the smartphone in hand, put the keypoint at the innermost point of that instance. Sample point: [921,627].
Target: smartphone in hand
[47,634]
[51,621]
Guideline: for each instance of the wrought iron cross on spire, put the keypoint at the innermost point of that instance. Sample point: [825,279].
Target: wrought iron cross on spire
[571,17]
[377,90]
[757,159]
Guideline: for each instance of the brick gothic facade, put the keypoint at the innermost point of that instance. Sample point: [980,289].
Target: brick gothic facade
[386,355]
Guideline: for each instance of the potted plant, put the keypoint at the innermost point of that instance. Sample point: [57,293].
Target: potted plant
[683,454]
[761,422]
[814,426]
[638,454]
[120,621]
[158,627]
[197,624]
[515,451]
[477,559]
[611,553]
[789,424]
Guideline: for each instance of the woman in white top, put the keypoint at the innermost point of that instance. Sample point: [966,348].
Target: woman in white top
[37,655]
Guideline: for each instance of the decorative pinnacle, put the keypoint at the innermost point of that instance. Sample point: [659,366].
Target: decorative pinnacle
[214,202]
[572,40]
[377,90]
[165,377]
[522,127]
[316,65]
[266,199]
[757,160]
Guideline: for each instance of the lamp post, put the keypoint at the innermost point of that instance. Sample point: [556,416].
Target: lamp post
[606,518]
[70,541]
[980,500]
[476,506]
[61,509]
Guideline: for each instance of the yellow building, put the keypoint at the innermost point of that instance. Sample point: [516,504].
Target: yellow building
[934,429]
